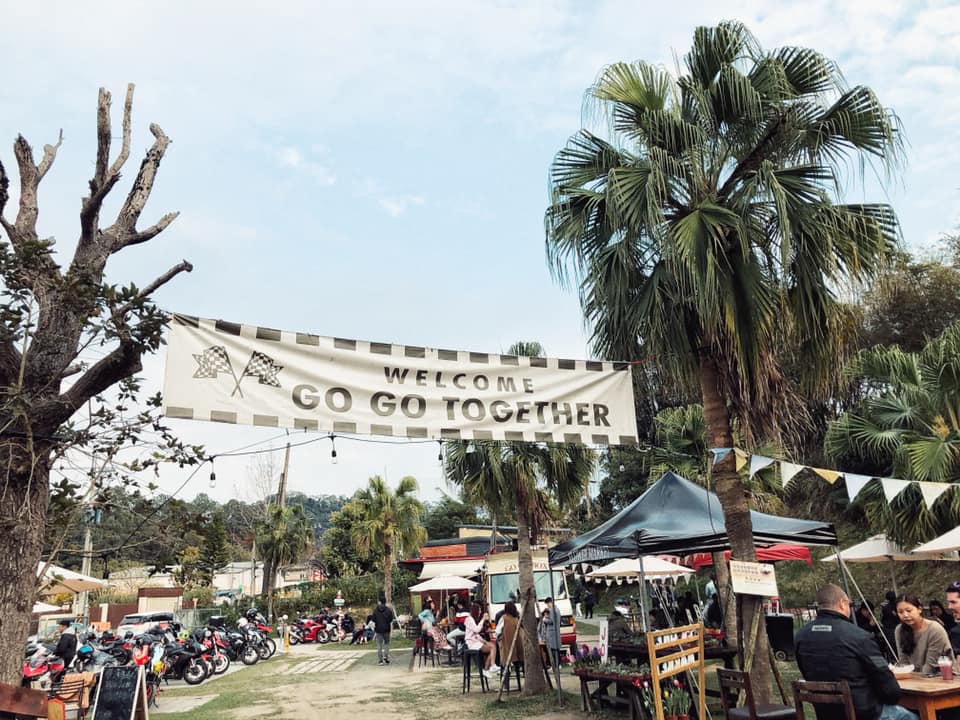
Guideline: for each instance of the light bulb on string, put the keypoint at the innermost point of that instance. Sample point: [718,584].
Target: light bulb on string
[333,450]
[440,452]
[622,467]
[213,475]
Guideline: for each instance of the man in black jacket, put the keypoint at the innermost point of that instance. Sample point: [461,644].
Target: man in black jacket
[832,648]
[382,622]
[66,643]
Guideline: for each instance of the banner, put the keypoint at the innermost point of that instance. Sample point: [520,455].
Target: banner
[248,375]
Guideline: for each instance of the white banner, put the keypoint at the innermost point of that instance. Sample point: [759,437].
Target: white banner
[752,578]
[248,375]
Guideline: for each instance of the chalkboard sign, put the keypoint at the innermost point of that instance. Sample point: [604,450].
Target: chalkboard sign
[121,694]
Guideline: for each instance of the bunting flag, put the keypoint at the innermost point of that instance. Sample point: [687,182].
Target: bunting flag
[741,458]
[855,483]
[893,487]
[831,476]
[720,453]
[788,471]
[758,463]
[931,491]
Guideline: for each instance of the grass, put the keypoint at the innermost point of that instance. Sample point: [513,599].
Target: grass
[517,706]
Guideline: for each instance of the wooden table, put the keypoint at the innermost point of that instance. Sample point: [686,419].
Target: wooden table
[636,651]
[623,684]
[926,695]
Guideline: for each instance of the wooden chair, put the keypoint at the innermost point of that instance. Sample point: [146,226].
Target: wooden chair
[74,691]
[735,681]
[823,693]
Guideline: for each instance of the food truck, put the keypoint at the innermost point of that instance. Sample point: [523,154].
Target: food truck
[501,578]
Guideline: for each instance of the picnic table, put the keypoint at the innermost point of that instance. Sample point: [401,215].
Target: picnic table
[626,691]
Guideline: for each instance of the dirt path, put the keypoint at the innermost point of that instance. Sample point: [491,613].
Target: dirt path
[348,684]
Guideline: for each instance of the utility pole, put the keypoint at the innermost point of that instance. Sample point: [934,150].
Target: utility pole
[81,605]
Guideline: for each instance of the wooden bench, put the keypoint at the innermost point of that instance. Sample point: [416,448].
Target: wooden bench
[15,700]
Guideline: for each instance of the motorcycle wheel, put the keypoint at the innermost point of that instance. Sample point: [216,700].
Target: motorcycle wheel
[195,672]
[294,638]
[221,663]
[250,655]
[322,637]
[272,645]
[264,651]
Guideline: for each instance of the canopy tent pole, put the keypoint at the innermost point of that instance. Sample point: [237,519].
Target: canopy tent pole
[845,571]
[556,630]
[643,592]
[843,578]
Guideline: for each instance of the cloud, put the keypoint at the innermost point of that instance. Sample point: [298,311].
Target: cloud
[292,158]
[397,206]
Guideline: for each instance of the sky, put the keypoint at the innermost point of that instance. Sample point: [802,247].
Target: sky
[378,170]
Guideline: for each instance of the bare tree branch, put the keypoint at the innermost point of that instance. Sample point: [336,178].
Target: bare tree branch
[152,231]
[182,266]
[125,147]
[122,362]
[26,222]
[124,229]
[103,138]
[4,197]
[49,155]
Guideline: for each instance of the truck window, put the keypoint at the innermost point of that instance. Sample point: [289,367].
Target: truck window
[502,585]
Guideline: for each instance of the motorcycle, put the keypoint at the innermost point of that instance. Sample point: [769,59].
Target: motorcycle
[42,667]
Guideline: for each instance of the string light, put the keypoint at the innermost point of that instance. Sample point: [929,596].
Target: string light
[213,475]
[440,452]
[333,450]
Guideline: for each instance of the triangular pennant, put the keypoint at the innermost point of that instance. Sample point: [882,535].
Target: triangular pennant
[720,453]
[758,463]
[855,483]
[931,491]
[741,458]
[831,476]
[893,487]
[788,471]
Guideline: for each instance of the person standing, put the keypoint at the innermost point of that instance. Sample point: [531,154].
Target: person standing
[577,608]
[831,647]
[66,642]
[382,622]
[588,601]
[552,629]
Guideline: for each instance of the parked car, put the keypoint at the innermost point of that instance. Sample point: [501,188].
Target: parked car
[141,622]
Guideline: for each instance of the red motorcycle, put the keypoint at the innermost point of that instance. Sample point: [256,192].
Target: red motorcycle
[42,667]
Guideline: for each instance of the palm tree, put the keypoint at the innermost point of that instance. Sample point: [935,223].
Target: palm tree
[521,480]
[908,426]
[708,234]
[390,523]
[283,536]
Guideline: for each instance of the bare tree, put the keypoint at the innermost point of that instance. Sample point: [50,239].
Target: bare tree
[49,315]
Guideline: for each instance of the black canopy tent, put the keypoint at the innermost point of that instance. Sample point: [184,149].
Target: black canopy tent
[679,517]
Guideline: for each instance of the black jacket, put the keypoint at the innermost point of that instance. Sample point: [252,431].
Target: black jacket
[832,648]
[382,619]
[66,646]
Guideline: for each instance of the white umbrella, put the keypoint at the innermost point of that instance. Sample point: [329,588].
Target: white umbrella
[58,580]
[42,607]
[443,582]
[945,543]
[880,548]
[653,567]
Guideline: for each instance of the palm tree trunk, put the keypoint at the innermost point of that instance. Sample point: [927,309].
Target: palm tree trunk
[736,514]
[388,573]
[534,683]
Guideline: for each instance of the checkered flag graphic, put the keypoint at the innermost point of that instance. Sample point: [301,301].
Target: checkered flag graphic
[263,367]
[212,361]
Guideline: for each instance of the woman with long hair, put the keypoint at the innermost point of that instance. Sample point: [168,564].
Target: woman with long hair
[474,624]
[430,626]
[510,630]
[920,642]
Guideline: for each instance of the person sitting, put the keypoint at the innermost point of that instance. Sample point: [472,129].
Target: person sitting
[866,621]
[831,648]
[920,642]
[938,613]
[474,626]
[359,635]
[618,629]
[430,626]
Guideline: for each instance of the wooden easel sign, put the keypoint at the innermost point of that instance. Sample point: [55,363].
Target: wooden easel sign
[121,695]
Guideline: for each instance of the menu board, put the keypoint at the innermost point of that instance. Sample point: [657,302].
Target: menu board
[750,578]
[121,694]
